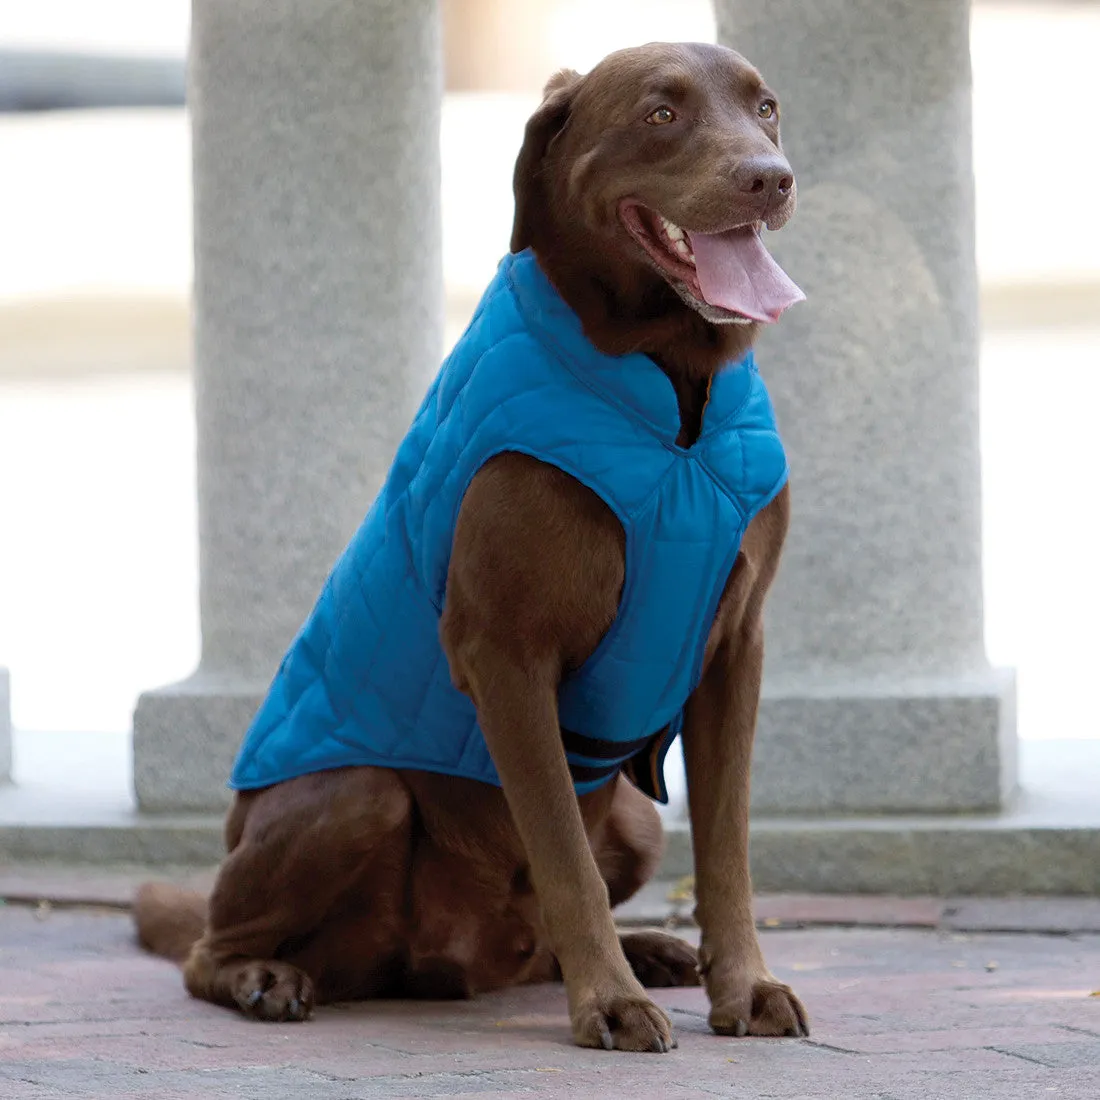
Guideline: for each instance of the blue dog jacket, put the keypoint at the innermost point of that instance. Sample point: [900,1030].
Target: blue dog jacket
[366,680]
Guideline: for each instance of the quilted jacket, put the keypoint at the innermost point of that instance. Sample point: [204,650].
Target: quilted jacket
[366,681]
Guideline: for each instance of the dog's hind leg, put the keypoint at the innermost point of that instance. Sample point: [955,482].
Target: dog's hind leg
[628,847]
[628,843]
[301,851]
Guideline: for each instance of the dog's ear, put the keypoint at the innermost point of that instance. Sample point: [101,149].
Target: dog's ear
[542,127]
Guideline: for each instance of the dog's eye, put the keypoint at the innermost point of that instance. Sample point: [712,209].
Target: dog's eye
[767,109]
[662,116]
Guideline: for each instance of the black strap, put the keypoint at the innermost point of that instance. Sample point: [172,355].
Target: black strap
[585,773]
[580,745]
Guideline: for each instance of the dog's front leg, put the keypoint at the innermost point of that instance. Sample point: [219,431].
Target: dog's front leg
[517,709]
[719,726]
[533,582]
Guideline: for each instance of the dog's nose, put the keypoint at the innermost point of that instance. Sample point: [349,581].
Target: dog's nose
[769,176]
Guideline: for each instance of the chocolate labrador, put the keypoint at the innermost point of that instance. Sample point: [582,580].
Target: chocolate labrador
[449,785]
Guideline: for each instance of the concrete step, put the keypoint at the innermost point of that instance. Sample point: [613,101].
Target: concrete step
[72,803]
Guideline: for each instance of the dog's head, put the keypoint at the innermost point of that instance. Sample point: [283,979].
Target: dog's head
[644,187]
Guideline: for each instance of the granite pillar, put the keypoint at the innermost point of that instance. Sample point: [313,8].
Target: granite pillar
[318,320]
[878,693]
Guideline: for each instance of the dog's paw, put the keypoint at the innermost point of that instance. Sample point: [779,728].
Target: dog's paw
[273,991]
[622,1022]
[761,1006]
[660,960]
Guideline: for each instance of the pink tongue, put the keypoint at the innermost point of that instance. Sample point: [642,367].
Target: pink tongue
[737,273]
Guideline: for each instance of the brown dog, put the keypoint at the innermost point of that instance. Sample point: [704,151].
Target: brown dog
[364,881]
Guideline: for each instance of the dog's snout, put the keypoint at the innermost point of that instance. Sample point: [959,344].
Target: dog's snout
[770,177]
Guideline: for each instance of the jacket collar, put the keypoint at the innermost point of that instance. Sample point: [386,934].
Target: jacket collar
[634,381]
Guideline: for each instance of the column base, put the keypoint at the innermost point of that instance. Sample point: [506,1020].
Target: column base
[926,747]
[930,746]
[5,727]
[186,738]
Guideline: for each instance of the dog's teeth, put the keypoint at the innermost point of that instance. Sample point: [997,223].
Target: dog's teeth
[673,231]
[683,250]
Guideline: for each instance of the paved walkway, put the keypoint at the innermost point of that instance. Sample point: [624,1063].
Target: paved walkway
[898,1013]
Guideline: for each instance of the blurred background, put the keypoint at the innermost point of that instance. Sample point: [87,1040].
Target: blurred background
[98,545]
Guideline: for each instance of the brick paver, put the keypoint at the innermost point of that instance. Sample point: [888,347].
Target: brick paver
[899,1014]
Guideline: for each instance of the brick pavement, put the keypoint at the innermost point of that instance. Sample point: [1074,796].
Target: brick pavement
[899,1014]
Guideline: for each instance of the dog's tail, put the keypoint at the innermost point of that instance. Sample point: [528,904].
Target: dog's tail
[169,919]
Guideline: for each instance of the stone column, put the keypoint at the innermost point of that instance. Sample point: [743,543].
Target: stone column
[878,694]
[318,319]
[5,727]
